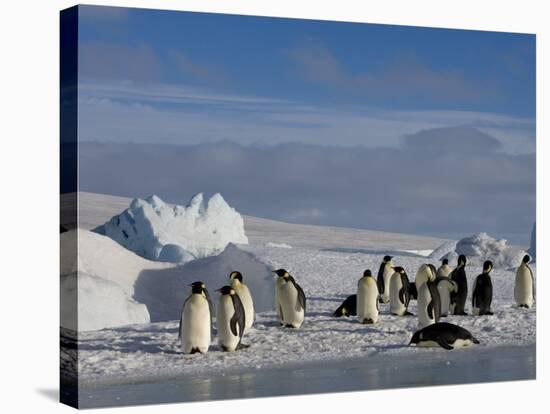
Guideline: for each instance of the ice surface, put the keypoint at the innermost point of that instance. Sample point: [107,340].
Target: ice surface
[481,247]
[278,245]
[327,279]
[101,304]
[194,231]
[161,287]
[326,262]
[443,250]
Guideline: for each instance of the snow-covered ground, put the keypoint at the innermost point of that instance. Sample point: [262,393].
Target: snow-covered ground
[326,262]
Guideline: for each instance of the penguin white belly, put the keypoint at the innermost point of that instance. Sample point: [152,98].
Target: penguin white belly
[396,306]
[248,304]
[367,296]
[224,314]
[288,301]
[444,271]
[388,273]
[461,343]
[523,289]
[445,296]
[195,329]
[424,298]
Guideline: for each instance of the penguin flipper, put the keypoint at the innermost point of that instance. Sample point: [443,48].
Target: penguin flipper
[210,310]
[431,309]
[301,303]
[444,344]
[380,279]
[238,318]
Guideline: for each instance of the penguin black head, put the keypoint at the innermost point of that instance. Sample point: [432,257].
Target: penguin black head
[415,338]
[226,290]
[399,269]
[487,266]
[526,259]
[281,273]
[387,259]
[367,273]
[197,287]
[236,275]
[462,260]
[445,261]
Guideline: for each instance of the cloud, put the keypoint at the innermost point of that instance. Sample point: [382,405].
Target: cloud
[402,190]
[125,111]
[404,77]
[461,139]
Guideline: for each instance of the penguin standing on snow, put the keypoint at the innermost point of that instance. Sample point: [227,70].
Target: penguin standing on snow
[195,328]
[347,308]
[483,291]
[290,300]
[367,299]
[444,270]
[524,288]
[399,292]
[230,319]
[443,334]
[446,287]
[385,272]
[458,299]
[429,303]
[245,297]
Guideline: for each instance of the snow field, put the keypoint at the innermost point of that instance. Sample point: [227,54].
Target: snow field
[152,350]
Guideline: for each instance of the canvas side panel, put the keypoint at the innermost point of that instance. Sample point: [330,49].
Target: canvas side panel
[68,204]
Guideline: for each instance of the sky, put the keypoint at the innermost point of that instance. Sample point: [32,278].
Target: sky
[419,130]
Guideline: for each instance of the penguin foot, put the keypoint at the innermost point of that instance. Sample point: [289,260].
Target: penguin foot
[195,351]
[461,313]
[242,346]
[367,321]
[407,313]
[288,325]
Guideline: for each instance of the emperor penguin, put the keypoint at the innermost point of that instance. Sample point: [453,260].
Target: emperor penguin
[367,299]
[483,291]
[195,328]
[230,319]
[399,292]
[444,270]
[245,297]
[446,287]
[429,303]
[458,275]
[443,334]
[524,288]
[290,300]
[347,308]
[383,280]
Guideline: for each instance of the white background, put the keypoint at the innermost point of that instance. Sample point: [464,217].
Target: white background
[29,202]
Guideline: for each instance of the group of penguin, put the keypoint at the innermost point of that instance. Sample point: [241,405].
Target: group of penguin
[438,292]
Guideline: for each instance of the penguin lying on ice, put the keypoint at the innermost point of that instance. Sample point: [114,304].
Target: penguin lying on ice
[347,308]
[443,334]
